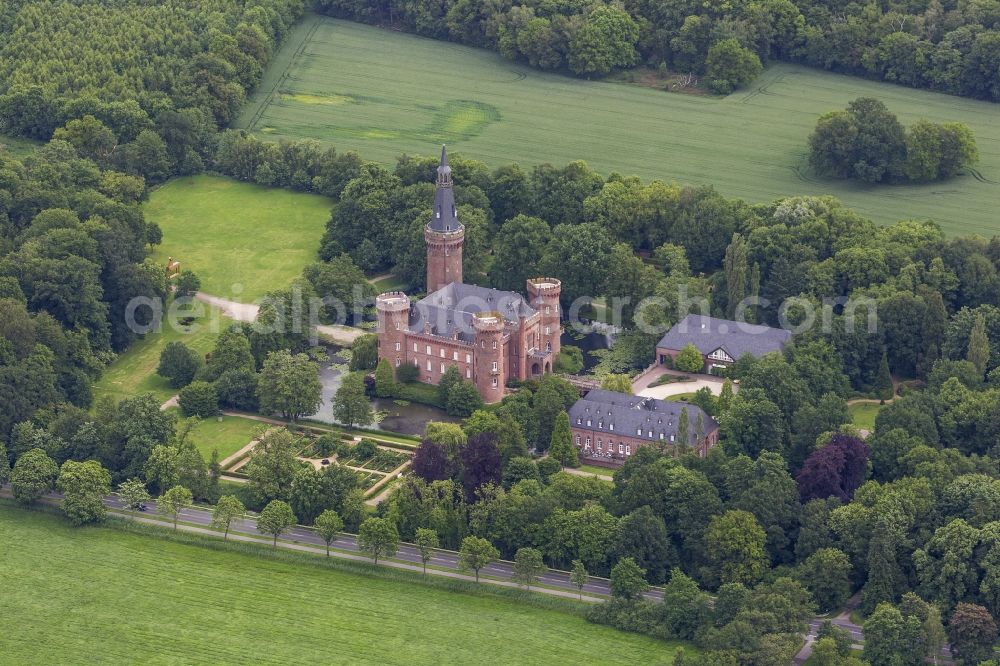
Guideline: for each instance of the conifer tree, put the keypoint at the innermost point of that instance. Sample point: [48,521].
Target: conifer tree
[979,345]
[561,447]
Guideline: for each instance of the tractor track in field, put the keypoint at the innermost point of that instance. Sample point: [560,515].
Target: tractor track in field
[975,173]
[285,76]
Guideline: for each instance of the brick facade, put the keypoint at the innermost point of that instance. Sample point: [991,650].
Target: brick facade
[491,336]
[609,427]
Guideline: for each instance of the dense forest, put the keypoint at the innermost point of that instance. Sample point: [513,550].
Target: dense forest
[952,46]
[162,76]
[789,516]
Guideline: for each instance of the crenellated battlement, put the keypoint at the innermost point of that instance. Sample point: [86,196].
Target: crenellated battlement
[544,286]
[392,301]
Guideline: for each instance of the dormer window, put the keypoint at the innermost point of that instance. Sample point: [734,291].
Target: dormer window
[579,421]
[638,431]
[611,426]
[588,423]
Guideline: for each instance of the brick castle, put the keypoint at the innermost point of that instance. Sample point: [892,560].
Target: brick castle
[491,336]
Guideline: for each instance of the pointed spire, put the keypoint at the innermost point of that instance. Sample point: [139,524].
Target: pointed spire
[444,171]
[445,215]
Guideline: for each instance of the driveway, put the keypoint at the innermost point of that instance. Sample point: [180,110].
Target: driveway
[641,385]
[247,312]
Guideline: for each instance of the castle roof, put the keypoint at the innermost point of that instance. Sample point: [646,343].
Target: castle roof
[450,309]
[636,417]
[445,216]
[733,337]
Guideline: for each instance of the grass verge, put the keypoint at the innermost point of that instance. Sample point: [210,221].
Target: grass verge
[145,593]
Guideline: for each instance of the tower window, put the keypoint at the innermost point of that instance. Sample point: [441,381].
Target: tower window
[398,345]
[397,362]
[468,358]
[494,365]
[494,344]
[494,382]
[414,346]
[468,373]
[430,368]
[428,349]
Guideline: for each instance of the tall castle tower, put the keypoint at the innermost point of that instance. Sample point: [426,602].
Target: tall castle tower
[444,234]
[393,309]
[490,355]
[543,294]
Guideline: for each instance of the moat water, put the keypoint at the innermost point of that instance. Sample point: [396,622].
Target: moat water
[411,418]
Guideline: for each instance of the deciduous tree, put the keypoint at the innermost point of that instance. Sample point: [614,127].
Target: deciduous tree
[378,537]
[628,580]
[426,541]
[290,385]
[227,509]
[276,518]
[528,566]
[475,554]
[34,474]
[350,404]
[84,486]
[172,502]
[133,494]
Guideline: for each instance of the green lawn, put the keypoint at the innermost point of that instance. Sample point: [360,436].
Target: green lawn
[16,146]
[863,414]
[242,240]
[384,93]
[134,372]
[227,436]
[594,469]
[101,595]
[391,283]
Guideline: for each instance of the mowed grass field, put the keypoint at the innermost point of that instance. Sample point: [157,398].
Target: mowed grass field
[384,93]
[104,596]
[134,371]
[242,240]
[863,414]
[227,436]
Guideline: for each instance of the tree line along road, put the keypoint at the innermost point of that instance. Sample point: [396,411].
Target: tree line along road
[442,562]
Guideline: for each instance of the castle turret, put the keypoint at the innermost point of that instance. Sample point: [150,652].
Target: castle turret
[543,294]
[393,308]
[444,234]
[490,371]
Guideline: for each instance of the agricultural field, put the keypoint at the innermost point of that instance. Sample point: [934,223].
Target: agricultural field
[384,93]
[103,595]
[134,371]
[242,240]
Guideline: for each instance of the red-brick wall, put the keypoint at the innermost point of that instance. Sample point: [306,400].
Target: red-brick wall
[633,444]
[444,258]
[436,344]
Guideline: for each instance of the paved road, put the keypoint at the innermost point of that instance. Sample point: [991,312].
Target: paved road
[444,559]
[854,630]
